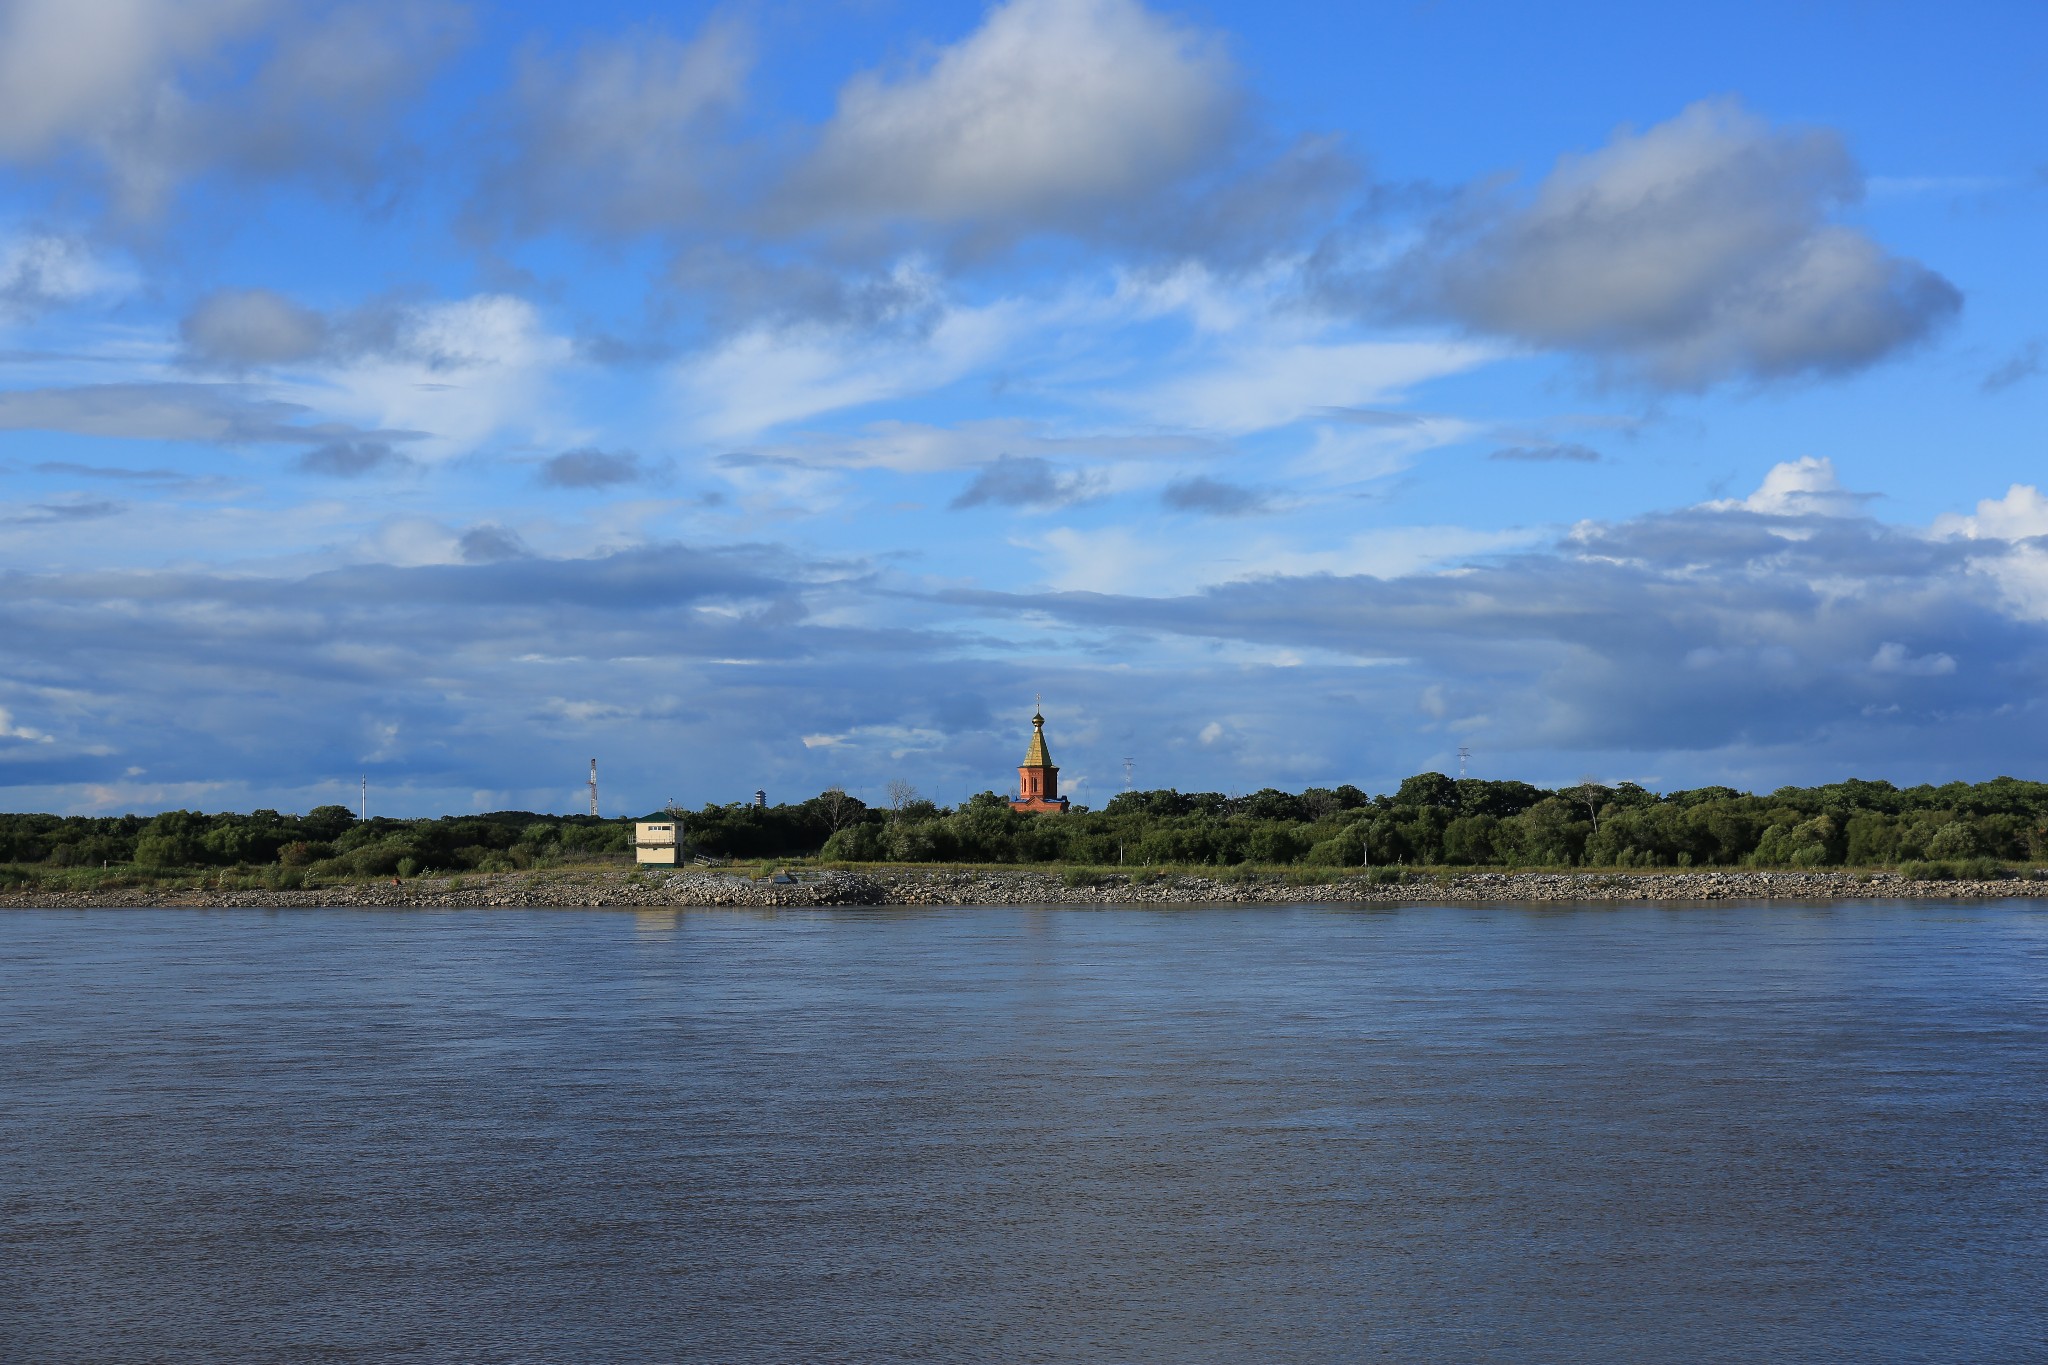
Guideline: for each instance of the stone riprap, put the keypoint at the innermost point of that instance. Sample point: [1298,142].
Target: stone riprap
[1014,886]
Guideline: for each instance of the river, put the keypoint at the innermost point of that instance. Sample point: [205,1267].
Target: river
[1626,1133]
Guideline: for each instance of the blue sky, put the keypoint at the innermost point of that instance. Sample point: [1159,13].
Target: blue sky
[777,395]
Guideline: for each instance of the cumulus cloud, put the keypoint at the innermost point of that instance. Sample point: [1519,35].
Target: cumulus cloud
[590,469]
[1805,487]
[2022,513]
[1704,632]
[1102,119]
[259,677]
[1703,644]
[1694,251]
[1025,481]
[1213,497]
[627,137]
[1562,450]
[1050,111]
[150,93]
[236,328]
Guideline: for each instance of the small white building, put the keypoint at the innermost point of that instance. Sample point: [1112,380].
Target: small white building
[657,842]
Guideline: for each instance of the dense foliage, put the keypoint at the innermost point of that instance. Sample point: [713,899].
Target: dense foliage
[1432,820]
[328,841]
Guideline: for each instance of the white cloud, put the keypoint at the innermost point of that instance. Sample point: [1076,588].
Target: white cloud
[2019,515]
[927,448]
[1894,658]
[1051,109]
[9,730]
[768,377]
[242,327]
[80,67]
[40,270]
[1255,388]
[1345,451]
[1122,559]
[1688,253]
[155,91]
[2020,569]
[626,138]
[1807,486]
[463,371]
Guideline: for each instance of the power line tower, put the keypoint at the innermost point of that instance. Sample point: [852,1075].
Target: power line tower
[593,788]
[1463,754]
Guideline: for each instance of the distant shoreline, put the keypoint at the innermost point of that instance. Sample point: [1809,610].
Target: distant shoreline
[695,888]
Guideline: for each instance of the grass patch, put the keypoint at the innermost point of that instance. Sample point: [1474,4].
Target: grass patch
[1955,870]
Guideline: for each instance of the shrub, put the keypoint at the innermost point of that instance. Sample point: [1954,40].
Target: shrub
[1954,840]
[162,851]
[302,853]
[855,844]
[378,860]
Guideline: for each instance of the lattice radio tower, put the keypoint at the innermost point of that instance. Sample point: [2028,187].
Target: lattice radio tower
[1127,773]
[593,788]
[1463,754]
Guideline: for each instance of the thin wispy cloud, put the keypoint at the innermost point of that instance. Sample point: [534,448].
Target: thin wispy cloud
[1568,451]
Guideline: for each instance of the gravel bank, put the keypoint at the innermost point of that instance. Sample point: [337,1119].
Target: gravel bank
[658,890]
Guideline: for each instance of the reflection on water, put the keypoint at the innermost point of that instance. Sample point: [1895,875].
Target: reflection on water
[1645,1135]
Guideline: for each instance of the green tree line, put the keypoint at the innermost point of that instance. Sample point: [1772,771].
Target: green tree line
[1430,821]
[1436,821]
[327,841]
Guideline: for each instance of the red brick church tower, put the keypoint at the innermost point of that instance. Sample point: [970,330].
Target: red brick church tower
[1038,781]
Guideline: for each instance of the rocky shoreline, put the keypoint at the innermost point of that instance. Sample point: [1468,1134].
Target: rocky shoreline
[636,889]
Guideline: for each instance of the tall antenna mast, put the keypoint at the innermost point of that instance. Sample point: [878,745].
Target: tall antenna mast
[363,800]
[1463,754]
[1127,772]
[593,787]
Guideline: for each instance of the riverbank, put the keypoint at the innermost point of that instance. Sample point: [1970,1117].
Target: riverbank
[638,889]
